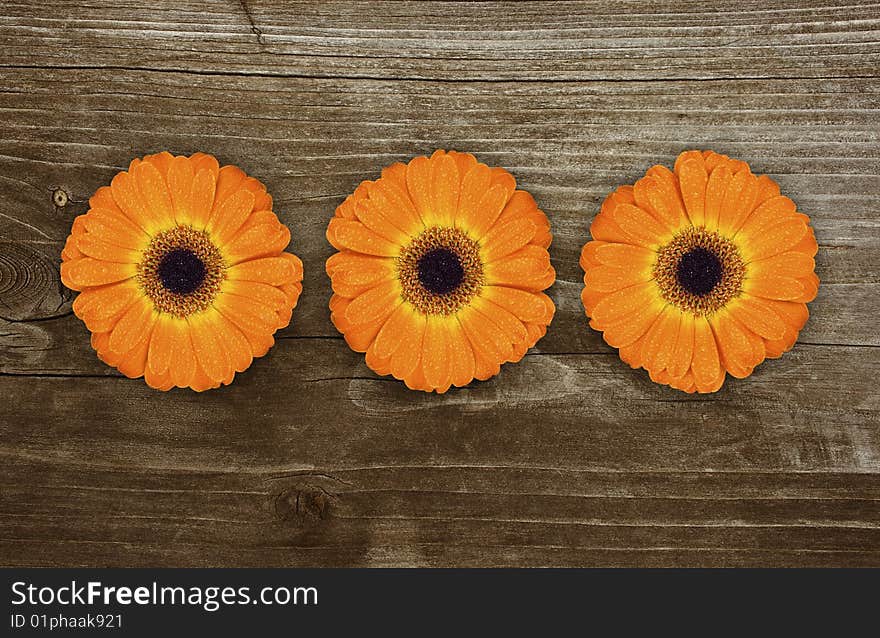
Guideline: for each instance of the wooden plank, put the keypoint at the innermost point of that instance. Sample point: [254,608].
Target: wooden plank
[437,515]
[622,40]
[313,403]
[568,458]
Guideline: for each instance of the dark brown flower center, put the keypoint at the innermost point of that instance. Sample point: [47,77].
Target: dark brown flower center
[181,271]
[440,271]
[699,271]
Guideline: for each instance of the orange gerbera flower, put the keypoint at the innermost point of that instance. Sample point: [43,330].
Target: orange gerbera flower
[699,272]
[181,273]
[440,271]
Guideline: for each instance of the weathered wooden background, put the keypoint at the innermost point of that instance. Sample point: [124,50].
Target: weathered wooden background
[568,458]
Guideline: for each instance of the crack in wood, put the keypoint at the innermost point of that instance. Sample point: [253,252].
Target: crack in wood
[254,28]
[440,79]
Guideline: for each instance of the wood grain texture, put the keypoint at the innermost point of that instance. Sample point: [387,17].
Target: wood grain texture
[567,458]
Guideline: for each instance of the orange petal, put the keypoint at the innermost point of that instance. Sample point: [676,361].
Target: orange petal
[133,326]
[623,195]
[474,186]
[359,267]
[409,351]
[201,381]
[767,189]
[204,161]
[161,161]
[128,199]
[684,383]
[794,315]
[262,240]
[631,353]
[775,239]
[604,228]
[640,227]
[773,287]
[92,245]
[416,380]
[461,355]
[716,188]
[734,346]
[807,244]
[229,216]
[182,357]
[625,256]
[103,198]
[85,272]
[528,306]
[204,185]
[284,269]
[353,273]
[810,284]
[588,254]
[208,348]
[738,203]
[154,194]
[396,173]
[527,268]
[463,161]
[395,205]
[101,307]
[790,264]
[630,328]
[522,204]
[162,342]
[262,200]
[353,235]
[502,240]
[115,228]
[257,293]
[77,230]
[682,355]
[757,316]
[489,344]
[658,345]
[252,318]
[389,337]
[712,386]
[377,365]
[446,187]
[133,362]
[435,353]
[655,195]
[376,220]
[418,183]
[488,210]
[770,212]
[706,364]
[536,333]
[360,337]
[233,340]
[157,381]
[374,304]
[229,180]
[685,156]
[608,279]
[100,342]
[510,325]
[623,303]
[180,182]
[693,178]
